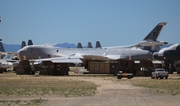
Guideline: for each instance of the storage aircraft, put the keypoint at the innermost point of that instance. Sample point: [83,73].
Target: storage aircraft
[9,60]
[170,56]
[124,55]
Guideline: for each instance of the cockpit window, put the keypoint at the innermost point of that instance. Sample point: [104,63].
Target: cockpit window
[57,50]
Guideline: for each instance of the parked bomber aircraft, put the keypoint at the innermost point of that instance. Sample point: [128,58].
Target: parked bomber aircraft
[123,55]
[168,53]
[170,56]
[9,61]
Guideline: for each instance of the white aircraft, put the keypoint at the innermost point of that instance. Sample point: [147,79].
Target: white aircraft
[7,63]
[141,51]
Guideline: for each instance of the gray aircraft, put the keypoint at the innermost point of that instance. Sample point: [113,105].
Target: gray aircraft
[9,61]
[168,53]
[141,51]
[170,57]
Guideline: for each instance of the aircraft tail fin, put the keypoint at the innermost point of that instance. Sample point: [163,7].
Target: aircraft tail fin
[154,34]
[98,45]
[89,45]
[79,45]
[23,44]
[1,47]
[150,42]
[30,42]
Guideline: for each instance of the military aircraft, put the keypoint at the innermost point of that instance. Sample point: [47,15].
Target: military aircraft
[168,53]
[140,51]
[9,61]
[170,56]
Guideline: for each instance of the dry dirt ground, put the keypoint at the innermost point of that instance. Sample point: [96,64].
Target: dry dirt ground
[110,92]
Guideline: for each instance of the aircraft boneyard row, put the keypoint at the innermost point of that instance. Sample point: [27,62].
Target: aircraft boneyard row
[55,60]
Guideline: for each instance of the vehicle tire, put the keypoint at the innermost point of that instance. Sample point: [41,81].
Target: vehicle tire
[152,77]
[166,77]
[161,77]
[156,76]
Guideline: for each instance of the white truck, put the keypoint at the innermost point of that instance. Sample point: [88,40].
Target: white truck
[159,73]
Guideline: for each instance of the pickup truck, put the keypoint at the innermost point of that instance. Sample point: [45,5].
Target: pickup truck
[159,73]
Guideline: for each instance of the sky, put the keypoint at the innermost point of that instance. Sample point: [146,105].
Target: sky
[112,22]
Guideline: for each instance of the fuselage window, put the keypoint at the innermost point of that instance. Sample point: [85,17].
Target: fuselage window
[57,50]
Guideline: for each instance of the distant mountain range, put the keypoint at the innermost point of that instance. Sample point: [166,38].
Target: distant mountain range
[16,47]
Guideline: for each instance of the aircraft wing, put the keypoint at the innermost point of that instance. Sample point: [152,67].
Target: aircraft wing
[100,57]
[76,58]
[60,60]
[96,57]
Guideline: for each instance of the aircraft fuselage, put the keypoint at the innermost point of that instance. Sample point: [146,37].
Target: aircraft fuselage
[40,51]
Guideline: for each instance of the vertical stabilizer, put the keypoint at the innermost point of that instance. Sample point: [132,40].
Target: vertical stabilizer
[150,42]
[23,44]
[1,47]
[30,42]
[79,45]
[98,45]
[89,45]
[154,34]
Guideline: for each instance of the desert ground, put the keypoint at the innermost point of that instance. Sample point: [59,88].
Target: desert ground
[110,91]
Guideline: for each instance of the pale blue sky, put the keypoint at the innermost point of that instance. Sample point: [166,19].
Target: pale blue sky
[112,22]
